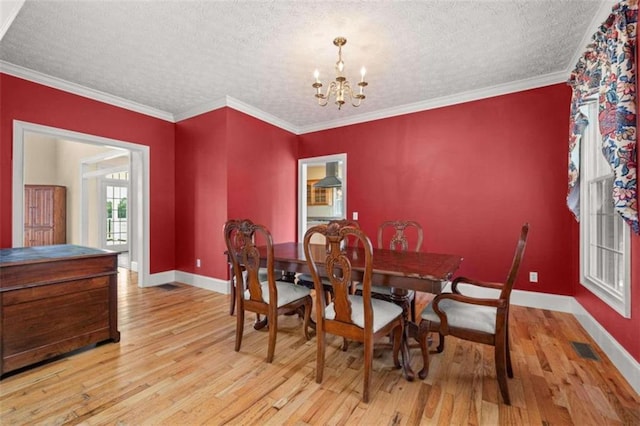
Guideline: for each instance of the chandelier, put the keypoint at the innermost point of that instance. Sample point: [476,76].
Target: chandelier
[340,88]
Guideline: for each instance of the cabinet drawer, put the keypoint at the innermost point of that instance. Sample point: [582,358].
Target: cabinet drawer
[47,321]
[33,274]
[31,294]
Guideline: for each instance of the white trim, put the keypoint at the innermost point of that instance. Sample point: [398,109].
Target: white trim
[207,283]
[302,187]
[628,367]
[200,109]
[139,154]
[598,19]
[159,278]
[261,115]
[76,89]
[228,101]
[458,98]
[8,11]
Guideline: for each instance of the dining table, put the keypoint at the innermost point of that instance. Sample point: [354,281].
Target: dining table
[402,271]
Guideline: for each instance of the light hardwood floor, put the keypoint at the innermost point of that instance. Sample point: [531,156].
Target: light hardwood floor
[176,365]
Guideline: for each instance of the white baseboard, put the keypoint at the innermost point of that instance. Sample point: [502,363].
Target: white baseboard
[628,367]
[624,362]
[207,283]
[160,278]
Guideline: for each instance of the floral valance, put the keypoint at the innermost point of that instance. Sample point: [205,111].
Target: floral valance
[608,69]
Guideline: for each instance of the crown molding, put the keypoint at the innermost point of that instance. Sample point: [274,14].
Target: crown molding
[201,109]
[261,115]
[606,7]
[458,98]
[76,89]
[8,11]
[231,102]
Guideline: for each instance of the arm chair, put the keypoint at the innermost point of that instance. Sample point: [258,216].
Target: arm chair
[306,279]
[351,316]
[398,241]
[482,320]
[268,297]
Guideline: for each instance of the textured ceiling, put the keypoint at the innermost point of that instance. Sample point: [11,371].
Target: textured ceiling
[178,56]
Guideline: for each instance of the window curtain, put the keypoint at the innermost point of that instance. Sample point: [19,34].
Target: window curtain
[608,70]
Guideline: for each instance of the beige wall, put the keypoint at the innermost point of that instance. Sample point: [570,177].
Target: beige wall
[49,161]
[40,160]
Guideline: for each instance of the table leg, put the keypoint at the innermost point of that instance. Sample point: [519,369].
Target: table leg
[401,298]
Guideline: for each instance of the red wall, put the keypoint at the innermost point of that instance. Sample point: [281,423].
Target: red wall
[471,174]
[262,174]
[201,193]
[231,165]
[38,104]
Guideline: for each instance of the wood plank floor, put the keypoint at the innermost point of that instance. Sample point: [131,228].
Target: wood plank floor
[176,365]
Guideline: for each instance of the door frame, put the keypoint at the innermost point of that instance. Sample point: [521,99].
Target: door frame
[139,187]
[104,182]
[302,187]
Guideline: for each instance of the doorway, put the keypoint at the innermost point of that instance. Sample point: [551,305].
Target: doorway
[320,202]
[138,191]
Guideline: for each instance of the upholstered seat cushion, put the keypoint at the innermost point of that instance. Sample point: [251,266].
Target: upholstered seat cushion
[383,312]
[287,292]
[463,315]
[380,289]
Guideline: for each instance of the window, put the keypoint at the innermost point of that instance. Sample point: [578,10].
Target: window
[604,236]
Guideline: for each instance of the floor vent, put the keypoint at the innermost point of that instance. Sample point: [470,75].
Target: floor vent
[168,286]
[585,351]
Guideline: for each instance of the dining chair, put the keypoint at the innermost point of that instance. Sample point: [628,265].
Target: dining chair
[269,297]
[398,240]
[307,280]
[482,320]
[353,317]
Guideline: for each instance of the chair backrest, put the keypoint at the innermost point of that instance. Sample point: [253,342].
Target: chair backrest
[349,240]
[240,238]
[515,265]
[399,239]
[338,270]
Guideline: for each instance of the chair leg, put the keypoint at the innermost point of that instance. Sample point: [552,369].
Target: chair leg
[413,308]
[508,349]
[440,347]
[307,317]
[233,296]
[501,373]
[273,334]
[368,364]
[239,328]
[397,342]
[423,339]
[320,354]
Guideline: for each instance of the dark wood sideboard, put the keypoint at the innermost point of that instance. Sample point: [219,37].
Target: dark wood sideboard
[54,299]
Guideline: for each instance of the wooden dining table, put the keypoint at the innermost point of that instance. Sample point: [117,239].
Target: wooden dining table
[401,270]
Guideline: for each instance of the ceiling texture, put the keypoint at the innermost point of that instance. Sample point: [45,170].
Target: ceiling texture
[177,59]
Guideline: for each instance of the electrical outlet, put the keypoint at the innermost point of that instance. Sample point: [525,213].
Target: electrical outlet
[355,215]
[533,277]
[198,263]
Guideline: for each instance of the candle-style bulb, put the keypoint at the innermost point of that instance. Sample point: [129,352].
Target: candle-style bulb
[316,74]
[363,71]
